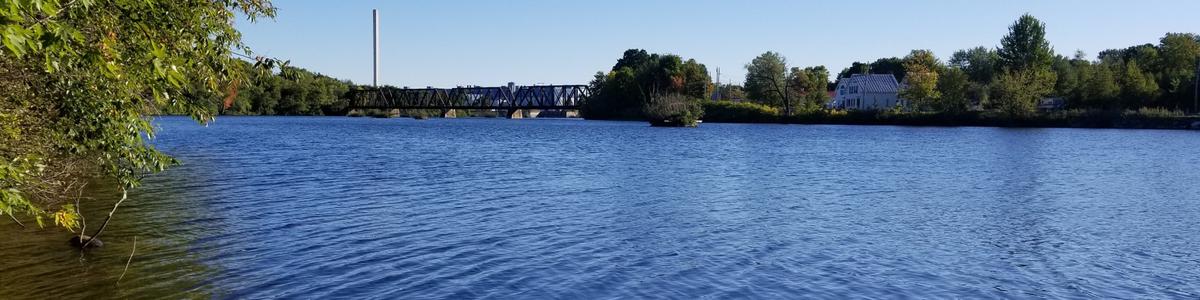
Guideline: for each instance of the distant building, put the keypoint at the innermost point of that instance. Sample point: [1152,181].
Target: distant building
[1052,104]
[866,92]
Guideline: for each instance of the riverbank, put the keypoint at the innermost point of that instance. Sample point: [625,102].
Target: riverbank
[725,112]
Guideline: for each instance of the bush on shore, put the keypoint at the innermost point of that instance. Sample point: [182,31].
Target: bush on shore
[1143,118]
[739,112]
[675,110]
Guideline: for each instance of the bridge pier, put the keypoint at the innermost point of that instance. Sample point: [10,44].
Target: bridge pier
[515,114]
[449,113]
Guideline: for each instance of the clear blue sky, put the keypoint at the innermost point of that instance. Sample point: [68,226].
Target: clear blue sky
[448,43]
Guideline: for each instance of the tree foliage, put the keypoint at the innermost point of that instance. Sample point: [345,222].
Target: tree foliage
[1025,58]
[81,77]
[1025,47]
[809,87]
[979,63]
[855,68]
[769,81]
[1020,90]
[920,88]
[887,65]
[300,92]
[953,87]
[766,79]
[638,77]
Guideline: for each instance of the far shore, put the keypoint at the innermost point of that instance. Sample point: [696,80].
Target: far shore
[1066,119]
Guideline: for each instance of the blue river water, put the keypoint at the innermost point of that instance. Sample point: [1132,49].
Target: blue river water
[329,207]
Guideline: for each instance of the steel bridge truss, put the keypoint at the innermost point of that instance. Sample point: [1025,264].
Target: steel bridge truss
[505,97]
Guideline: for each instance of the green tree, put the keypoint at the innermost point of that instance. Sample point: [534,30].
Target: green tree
[1025,47]
[1020,90]
[81,77]
[766,80]
[1025,63]
[637,77]
[979,63]
[1138,86]
[809,86]
[1067,72]
[1178,66]
[887,65]
[1100,88]
[855,68]
[890,65]
[954,85]
[698,84]
[921,89]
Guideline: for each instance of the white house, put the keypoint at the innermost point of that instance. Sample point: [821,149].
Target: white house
[867,92]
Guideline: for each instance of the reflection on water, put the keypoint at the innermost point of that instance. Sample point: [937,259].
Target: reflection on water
[39,263]
[317,207]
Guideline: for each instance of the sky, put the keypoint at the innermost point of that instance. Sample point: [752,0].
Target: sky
[451,43]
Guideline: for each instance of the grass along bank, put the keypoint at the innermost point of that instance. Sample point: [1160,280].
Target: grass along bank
[1146,118]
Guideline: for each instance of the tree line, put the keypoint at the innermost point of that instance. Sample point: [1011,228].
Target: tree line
[285,91]
[1011,78]
[1024,69]
[292,91]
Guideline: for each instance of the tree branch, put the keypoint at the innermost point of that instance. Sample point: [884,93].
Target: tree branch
[124,195]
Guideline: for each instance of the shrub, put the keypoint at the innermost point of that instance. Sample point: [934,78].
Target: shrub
[673,110]
[1155,112]
[739,112]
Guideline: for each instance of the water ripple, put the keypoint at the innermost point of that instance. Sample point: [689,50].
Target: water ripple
[532,209]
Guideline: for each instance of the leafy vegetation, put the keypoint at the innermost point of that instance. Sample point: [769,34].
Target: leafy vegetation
[80,78]
[1014,77]
[1073,118]
[769,81]
[674,110]
[639,77]
[739,112]
[292,91]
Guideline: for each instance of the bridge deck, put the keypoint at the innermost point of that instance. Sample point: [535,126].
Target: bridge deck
[505,97]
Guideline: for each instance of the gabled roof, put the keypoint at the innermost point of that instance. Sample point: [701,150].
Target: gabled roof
[874,83]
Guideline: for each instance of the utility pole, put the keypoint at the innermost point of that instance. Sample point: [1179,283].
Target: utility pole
[718,88]
[375,32]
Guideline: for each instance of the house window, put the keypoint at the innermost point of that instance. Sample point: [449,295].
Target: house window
[854,90]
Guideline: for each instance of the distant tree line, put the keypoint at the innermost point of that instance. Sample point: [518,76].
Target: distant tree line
[300,92]
[1011,79]
[290,91]
[1024,69]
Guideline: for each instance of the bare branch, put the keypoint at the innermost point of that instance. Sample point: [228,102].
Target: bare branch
[131,252]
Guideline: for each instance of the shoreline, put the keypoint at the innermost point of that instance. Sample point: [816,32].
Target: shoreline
[970,119]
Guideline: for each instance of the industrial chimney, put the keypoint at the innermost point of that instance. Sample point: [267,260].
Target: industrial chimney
[375,23]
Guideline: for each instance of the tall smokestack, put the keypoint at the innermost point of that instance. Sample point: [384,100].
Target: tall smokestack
[375,23]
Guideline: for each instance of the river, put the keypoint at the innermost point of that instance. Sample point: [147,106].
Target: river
[319,207]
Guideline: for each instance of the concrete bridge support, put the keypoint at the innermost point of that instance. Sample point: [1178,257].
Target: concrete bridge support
[523,113]
[449,113]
